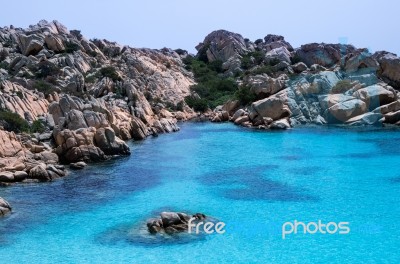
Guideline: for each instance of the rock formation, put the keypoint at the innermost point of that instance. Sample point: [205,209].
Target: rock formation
[172,223]
[5,207]
[316,83]
[87,96]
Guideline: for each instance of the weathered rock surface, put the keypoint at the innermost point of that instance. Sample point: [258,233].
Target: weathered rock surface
[18,163]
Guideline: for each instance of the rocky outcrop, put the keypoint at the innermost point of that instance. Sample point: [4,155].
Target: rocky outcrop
[325,55]
[264,86]
[172,223]
[15,98]
[389,68]
[225,46]
[5,207]
[26,161]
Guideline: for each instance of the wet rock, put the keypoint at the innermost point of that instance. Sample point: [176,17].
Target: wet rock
[172,222]
[78,165]
[5,207]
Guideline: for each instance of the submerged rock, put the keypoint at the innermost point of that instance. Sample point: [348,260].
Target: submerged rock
[172,222]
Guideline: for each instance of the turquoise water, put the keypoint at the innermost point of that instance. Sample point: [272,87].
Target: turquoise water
[252,181]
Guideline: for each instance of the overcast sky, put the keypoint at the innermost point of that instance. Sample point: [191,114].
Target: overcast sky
[184,23]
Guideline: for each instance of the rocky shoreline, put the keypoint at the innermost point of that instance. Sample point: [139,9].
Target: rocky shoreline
[66,100]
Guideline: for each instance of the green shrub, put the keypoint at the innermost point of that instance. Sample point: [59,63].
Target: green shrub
[13,122]
[71,47]
[92,53]
[45,69]
[251,59]
[20,94]
[181,51]
[90,79]
[37,127]
[245,95]
[3,54]
[216,66]
[202,54]
[198,104]
[110,72]
[44,87]
[179,106]
[212,87]
[274,62]
[267,69]
[258,41]
[295,59]
[341,87]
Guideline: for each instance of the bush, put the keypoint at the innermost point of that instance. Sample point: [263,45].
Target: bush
[211,86]
[202,54]
[20,94]
[258,41]
[37,127]
[179,106]
[181,51]
[274,61]
[70,47]
[251,59]
[110,72]
[13,122]
[198,104]
[267,69]
[90,79]
[295,59]
[46,68]
[44,87]
[3,54]
[245,95]
[341,87]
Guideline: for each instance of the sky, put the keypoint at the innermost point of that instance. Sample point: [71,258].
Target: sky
[184,23]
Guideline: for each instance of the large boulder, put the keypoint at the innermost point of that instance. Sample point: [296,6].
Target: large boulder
[375,96]
[9,145]
[223,45]
[110,144]
[343,111]
[280,54]
[389,68]
[54,43]
[5,207]
[30,45]
[274,107]
[264,86]
[325,55]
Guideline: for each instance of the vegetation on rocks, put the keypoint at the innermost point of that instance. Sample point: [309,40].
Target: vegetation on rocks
[213,88]
[110,72]
[13,122]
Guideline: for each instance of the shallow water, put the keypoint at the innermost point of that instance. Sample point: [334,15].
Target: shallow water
[252,181]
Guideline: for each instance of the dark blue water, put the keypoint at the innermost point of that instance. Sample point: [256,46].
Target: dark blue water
[253,181]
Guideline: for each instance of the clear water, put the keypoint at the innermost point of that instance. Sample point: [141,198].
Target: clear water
[252,181]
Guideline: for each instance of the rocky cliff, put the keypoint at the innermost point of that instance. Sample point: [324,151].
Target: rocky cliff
[315,83]
[86,97]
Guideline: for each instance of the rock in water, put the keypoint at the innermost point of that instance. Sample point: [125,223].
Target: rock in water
[172,222]
[5,207]
[78,165]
